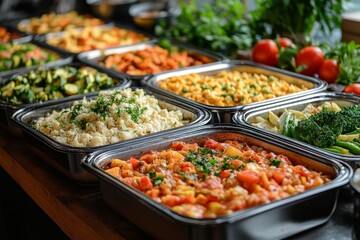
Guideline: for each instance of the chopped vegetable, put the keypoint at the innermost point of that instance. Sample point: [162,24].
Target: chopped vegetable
[47,84]
[18,55]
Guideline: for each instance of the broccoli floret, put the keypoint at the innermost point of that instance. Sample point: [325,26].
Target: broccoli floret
[324,138]
[320,129]
[334,121]
[351,116]
[310,132]
[306,130]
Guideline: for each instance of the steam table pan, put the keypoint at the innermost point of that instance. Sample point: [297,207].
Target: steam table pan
[56,35]
[223,114]
[342,99]
[16,35]
[278,219]
[28,39]
[66,158]
[97,56]
[8,108]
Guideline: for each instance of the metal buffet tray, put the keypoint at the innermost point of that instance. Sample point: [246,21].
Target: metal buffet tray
[67,159]
[341,99]
[29,39]
[45,37]
[224,114]
[278,219]
[7,109]
[22,37]
[96,56]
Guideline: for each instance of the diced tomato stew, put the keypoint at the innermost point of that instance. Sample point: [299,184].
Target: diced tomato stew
[215,179]
[153,59]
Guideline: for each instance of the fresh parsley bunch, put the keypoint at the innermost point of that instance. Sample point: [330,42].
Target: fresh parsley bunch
[219,26]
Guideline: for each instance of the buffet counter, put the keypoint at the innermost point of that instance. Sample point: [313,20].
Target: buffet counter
[81,213]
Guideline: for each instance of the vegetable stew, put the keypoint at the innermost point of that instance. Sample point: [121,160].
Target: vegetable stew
[215,179]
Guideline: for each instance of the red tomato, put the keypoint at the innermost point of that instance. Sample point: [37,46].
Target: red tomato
[299,169]
[145,183]
[248,176]
[311,58]
[266,52]
[353,88]
[212,144]
[285,42]
[224,174]
[134,162]
[177,146]
[329,70]
[278,176]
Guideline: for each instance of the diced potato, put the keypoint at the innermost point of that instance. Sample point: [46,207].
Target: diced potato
[117,163]
[233,151]
[115,171]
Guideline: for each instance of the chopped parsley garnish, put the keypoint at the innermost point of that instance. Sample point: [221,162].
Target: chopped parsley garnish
[157,179]
[275,162]
[203,159]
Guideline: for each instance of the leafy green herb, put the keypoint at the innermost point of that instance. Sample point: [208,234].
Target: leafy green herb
[277,17]
[348,55]
[157,179]
[275,162]
[218,26]
[201,159]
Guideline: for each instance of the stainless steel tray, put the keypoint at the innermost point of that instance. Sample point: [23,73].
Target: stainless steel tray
[7,109]
[22,37]
[44,38]
[29,39]
[278,219]
[67,159]
[342,99]
[96,56]
[224,114]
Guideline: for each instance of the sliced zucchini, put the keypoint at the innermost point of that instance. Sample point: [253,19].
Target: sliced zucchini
[8,86]
[71,89]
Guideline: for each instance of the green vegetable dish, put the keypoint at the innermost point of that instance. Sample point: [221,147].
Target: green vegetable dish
[327,126]
[48,84]
[18,55]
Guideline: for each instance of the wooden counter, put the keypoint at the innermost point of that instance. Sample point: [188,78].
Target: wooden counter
[81,213]
[77,209]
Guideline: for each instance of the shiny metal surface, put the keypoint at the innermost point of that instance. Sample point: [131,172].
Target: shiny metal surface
[67,159]
[224,114]
[278,219]
[44,38]
[245,118]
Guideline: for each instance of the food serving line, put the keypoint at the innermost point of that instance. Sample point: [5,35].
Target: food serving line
[199,120]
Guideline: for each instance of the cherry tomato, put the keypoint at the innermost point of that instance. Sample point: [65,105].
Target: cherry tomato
[266,52]
[311,57]
[329,70]
[285,42]
[353,88]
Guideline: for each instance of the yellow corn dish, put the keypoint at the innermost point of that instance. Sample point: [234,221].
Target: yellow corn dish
[229,88]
